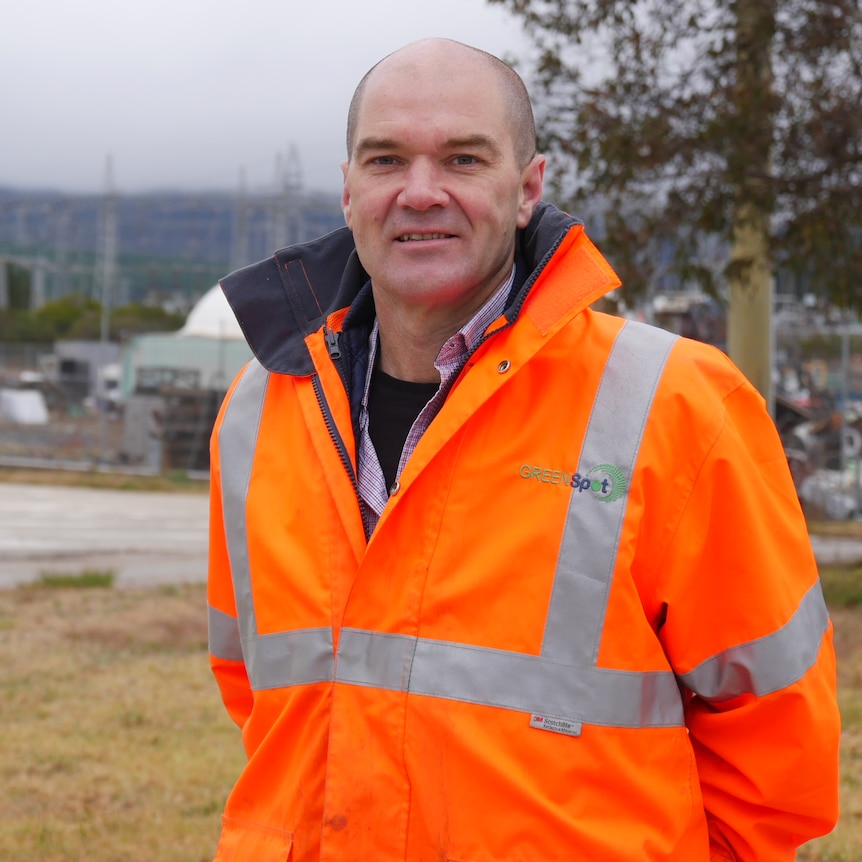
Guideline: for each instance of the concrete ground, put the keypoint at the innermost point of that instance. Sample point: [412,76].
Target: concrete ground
[146,538]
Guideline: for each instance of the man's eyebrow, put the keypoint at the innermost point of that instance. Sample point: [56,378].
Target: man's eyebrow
[372,144]
[468,142]
[472,142]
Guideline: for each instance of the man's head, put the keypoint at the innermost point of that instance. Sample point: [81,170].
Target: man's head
[519,110]
[441,172]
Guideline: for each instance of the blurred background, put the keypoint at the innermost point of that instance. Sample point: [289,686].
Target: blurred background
[147,150]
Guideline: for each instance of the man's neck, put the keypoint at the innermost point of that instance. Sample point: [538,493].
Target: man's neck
[412,335]
[409,349]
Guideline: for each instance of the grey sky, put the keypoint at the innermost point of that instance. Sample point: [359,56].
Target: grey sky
[187,93]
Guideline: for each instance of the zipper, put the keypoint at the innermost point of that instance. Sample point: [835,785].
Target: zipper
[330,337]
[334,433]
[333,345]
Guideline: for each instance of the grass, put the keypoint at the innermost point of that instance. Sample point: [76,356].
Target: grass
[87,579]
[852,529]
[172,481]
[843,590]
[115,743]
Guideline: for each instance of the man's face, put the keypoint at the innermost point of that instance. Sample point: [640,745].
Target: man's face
[433,191]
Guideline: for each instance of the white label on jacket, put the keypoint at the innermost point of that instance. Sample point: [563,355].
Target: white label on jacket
[556,725]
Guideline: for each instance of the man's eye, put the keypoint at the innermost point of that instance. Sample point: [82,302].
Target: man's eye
[383,161]
[464,161]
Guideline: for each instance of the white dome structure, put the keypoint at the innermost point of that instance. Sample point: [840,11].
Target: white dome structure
[212,317]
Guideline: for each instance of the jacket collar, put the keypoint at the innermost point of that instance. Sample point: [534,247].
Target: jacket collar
[280,301]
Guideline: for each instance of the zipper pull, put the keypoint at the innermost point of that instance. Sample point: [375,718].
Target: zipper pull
[331,338]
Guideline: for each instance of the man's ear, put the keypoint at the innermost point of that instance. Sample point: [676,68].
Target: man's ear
[532,181]
[345,194]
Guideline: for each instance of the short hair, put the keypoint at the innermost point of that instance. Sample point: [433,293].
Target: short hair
[519,110]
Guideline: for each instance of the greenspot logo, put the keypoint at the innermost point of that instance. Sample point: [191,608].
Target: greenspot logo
[604,482]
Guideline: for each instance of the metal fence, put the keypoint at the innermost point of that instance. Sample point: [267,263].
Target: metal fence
[818,412]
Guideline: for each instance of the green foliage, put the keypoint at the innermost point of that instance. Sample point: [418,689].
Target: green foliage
[60,317]
[21,326]
[79,317]
[18,286]
[133,319]
[664,120]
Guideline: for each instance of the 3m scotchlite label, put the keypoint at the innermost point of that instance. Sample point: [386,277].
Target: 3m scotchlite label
[556,725]
[582,581]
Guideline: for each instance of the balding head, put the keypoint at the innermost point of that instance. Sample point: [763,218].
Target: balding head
[441,54]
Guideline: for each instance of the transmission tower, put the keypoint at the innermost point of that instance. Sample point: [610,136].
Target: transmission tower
[286,220]
[293,196]
[106,260]
[277,220]
[239,252]
[61,250]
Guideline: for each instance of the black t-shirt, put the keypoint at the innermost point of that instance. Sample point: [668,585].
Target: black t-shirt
[393,406]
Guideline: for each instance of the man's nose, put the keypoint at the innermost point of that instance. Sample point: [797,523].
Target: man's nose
[423,186]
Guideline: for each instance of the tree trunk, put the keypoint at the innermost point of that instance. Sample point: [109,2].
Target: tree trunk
[749,322]
[750,338]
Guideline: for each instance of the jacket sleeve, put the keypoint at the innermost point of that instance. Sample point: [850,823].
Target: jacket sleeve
[225,648]
[749,637]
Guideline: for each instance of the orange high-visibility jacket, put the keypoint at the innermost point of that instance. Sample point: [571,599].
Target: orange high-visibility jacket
[588,625]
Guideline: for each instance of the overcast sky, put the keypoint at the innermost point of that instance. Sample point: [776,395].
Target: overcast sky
[189,93]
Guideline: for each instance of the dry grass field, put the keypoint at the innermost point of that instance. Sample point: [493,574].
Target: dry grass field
[843,590]
[115,745]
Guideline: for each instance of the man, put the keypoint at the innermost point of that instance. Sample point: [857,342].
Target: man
[495,576]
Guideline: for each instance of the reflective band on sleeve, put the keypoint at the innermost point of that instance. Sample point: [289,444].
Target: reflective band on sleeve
[237,441]
[508,680]
[282,658]
[592,532]
[224,642]
[768,664]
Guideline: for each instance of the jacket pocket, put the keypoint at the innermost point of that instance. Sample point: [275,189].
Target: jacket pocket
[244,841]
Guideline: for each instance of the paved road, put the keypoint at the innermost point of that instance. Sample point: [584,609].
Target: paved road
[837,550]
[146,538]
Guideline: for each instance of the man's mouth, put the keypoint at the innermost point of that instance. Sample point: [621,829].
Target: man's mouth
[422,237]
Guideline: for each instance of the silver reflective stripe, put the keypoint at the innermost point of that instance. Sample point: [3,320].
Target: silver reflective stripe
[508,680]
[289,658]
[563,680]
[768,664]
[282,658]
[589,548]
[237,440]
[224,640]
